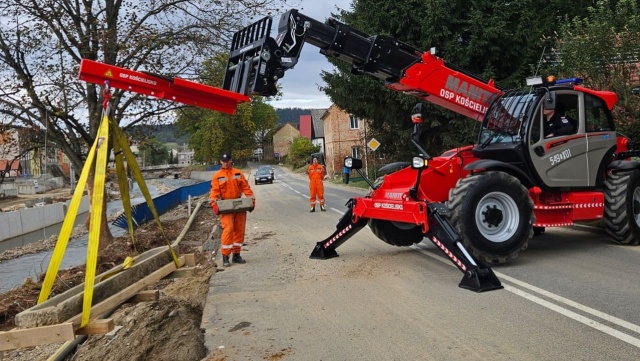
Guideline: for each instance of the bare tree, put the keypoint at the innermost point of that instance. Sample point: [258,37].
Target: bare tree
[43,41]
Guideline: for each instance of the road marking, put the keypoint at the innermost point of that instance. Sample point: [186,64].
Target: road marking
[577,317]
[557,308]
[291,188]
[620,322]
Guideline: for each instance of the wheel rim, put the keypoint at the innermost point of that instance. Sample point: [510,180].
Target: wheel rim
[636,206]
[497,217]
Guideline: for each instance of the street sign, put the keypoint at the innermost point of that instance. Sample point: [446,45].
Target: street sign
[373,144]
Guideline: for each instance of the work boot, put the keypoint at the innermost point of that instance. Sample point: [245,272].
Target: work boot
[322,208]
[313,209]
[237,259]
[225,261]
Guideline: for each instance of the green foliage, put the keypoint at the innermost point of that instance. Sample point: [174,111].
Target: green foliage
[291,115]
[604,49]
[494,39]
[264,118]
[301,150]
[154,153]
[213,133]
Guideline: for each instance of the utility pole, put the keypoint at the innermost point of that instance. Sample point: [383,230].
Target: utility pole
[366,153]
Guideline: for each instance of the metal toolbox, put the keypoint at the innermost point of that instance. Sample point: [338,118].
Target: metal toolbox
[235,205]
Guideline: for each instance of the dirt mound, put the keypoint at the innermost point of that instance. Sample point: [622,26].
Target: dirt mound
[168,329]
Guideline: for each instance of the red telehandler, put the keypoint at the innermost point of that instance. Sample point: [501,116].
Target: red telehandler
[517,180]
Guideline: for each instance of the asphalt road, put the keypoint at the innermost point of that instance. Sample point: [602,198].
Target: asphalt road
[571,296]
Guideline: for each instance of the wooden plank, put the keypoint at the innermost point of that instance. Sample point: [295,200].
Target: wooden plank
[190,260]
[36,336]
[97,327]
[120,297]
[145,296]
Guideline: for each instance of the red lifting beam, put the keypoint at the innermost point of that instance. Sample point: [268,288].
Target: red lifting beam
[175,89]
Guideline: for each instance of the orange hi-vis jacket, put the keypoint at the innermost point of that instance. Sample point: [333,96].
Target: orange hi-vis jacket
[316,187]
[229,183]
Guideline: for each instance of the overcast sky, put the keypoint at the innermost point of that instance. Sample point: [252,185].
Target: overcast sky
[300,84]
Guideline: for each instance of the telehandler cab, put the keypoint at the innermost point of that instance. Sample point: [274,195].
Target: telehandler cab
[517,180]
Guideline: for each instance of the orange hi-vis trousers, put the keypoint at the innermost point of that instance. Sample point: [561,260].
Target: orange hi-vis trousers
[316,188]
[233,227]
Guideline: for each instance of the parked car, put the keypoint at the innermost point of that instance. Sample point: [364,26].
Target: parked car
[263,175]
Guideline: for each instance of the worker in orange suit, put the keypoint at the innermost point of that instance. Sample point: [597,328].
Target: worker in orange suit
[316,174]
[230,183]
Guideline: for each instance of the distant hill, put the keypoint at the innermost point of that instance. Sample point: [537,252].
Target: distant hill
[291,115]
[165,133]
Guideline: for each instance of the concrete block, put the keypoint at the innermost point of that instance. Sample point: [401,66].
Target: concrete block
[235,205]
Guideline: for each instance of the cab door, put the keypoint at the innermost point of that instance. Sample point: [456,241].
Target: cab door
[561,161]
[601,135]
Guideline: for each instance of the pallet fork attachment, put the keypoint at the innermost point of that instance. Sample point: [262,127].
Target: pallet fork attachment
[257,61]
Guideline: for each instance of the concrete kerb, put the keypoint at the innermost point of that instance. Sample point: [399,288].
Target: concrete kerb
[66,305]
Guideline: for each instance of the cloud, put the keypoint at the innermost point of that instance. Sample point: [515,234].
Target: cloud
[300,84]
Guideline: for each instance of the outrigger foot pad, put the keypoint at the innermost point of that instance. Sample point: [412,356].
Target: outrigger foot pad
[480,280]
[320,252]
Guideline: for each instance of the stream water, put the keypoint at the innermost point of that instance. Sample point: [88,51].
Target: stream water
[13,272]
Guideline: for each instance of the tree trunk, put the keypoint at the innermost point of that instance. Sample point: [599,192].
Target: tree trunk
[105,233]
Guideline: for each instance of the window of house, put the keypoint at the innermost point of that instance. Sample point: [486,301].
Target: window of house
[355,152]
[354,122]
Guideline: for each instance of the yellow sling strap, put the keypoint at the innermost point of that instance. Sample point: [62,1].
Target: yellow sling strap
[99,154]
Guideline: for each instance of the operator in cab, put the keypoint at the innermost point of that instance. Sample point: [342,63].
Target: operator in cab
[556,122]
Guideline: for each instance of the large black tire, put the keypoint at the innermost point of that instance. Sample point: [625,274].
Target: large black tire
[622,207]
[396,233]
[493,214]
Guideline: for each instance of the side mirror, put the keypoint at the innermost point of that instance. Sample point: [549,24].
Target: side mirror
[353,163]
[416,114]
[550,101]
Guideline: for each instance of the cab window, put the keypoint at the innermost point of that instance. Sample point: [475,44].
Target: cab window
[597,116]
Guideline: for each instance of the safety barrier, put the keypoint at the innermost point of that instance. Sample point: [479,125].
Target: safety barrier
[141,213]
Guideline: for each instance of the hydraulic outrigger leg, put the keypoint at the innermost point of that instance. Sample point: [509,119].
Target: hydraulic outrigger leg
[344,230]
[477,276]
